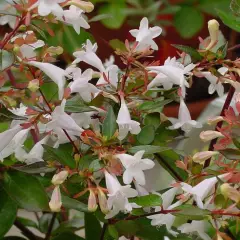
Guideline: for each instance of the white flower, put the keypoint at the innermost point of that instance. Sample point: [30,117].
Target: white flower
[185,121]
[202,189]
[59,178]
[74,17]
[59,137]
[56,200]
[111,73]
[16,143]
[82,86]
[160,80]
[145,35]
[118,196]
[55,73]
[8,8]
[125,123]
[45,7]
[166,219]
[213,27]
[215,84]
[109,62]
[88,55]
[135,166]
[61,120]
[21,111]
[175,72]
[197,227]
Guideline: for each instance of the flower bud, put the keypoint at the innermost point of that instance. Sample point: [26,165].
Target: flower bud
[33,85]
[210,135]
[85,6]
[59,178]
[201,157]
[55,50]
[92,201]
[102,201]
[215,120]
[56,201]
[213,27]
[230,192]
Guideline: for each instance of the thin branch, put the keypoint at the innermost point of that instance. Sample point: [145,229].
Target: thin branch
[105,225]
[50,227]
[234,48]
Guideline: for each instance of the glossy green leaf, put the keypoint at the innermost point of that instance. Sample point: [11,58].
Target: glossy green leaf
[230,20]
[235,7]
[93,227]
[210,7]
[231,153]
[8,212]
[71,203]
[147,134]
[67,236]
[77,105]
[59,155]
[45,221]
[27,222]
[149,149]
[26,190]
[152,119]
[117,44]
[6,59]
[154,106]
[109,124]
[151,200]
[127,228]
[38,167]
[189,50]
[188,21]
[113,231]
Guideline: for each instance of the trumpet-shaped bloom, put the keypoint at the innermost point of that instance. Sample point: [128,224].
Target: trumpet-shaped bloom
[59,178]
[134,167]
[210,135]
[175,72]
[74,17]
[8,8]
[198,227]
[88,55]
[185,121]
[145,35]
[111,74]
[82,86]
[125,123]
[56,200]
[61,120]
[55,73]
[160,80]
[109,62]
[201,157]
[118,196]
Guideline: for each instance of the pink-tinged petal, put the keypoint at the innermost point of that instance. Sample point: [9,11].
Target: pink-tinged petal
[56,201]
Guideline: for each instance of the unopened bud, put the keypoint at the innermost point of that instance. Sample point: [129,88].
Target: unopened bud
[213,27]
[210,135]
[55,50]
[16,49]
[201,157]
[22,28]
[33,85]
[56,200]
[92,201]
[215,120]
[230,192]
[85,6]
[59,178]
[102,201]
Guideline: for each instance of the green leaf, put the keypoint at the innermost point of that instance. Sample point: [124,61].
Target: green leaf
[100,17]
[6,59]
[8,212]
[210,7]
[222,51]
[188,21]
[230,20]
[77,105]
[117,44]
[235,7]
[71,203]
[127,228]
[13,238]
[26,190]
[6,115]
[149,149]
[27,222]
[151,200]
[189,50]
[147,134]
[109,124]
[113,231]
[38,167]
[45,221]
[152,119]
[67,235]
[116,10]
[236,142]
[191,212]
[59,155]
[92,227]
[154,106]
[231,154]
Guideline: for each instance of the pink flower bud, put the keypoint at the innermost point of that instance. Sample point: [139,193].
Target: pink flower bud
[210,135]
[92,201]
[215,120]
[102,201]
[59,178]
[201,157]
[230,192]
[56,201]
[85,6]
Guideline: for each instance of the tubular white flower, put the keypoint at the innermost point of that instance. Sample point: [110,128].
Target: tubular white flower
[125,123]
[88,55]
[213,27]
[118,196]
[145,35]
[8,8]
[215,120]
[184,121]
[85,6]
[112,74]
[160,80]
[201,157]
[60,178]
[109,62]
[55,73]
[56,200]
[210,135]
[82,86]
[134,167]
